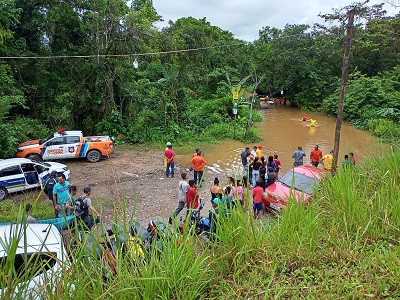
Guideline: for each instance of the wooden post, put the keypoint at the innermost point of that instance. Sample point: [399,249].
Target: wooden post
[342,90]
[234,130]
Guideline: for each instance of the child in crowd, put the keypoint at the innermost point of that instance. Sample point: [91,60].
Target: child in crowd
[257,199]
[227,198]
[192,196]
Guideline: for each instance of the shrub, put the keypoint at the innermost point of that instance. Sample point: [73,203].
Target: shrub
[384,128]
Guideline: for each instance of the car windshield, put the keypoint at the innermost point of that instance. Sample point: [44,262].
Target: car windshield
[300,182]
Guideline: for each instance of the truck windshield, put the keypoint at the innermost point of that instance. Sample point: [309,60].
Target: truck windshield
[42,141]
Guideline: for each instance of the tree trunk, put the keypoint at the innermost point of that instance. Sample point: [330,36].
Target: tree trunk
[342,90]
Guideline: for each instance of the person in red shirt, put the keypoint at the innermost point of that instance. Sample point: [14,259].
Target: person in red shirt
[352,158]
[192,198]
[277,164]
[257,193]
[315,156]
[198,162]
[169,155]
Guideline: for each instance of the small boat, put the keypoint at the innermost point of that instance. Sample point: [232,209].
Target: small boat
[60,223]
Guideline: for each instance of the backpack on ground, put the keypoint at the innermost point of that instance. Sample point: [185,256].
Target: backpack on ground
[81,209]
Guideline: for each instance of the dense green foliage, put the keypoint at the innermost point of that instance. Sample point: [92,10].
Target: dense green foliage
[344,244]
[81,72]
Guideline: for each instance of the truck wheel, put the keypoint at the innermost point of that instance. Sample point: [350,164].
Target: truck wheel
[3,194]
[35,157]
[93,156]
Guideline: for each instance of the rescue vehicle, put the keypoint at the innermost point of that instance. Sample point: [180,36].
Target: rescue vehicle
[67,144]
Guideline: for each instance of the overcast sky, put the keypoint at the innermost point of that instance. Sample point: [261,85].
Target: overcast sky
[244,18]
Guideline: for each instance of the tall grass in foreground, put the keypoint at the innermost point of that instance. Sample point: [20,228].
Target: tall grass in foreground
[345,244]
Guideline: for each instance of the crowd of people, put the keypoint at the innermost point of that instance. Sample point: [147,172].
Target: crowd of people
[258,173]
[63,196]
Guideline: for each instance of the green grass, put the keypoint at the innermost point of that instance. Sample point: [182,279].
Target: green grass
[345,244]
[10,211]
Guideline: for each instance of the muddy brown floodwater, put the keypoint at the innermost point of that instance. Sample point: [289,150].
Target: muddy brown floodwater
[282,132]
[134,179]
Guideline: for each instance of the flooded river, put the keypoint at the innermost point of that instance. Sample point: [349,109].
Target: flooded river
[282,131]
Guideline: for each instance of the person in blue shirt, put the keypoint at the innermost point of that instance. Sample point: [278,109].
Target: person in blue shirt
[298,156]
[60,195]
[213,217]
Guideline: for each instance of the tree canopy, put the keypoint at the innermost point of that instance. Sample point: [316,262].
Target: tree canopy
[81,72]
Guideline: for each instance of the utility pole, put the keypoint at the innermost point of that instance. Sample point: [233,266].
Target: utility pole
[253,97]
[345,67]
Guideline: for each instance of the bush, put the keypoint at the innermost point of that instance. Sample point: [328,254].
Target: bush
[19,130]
[384,128]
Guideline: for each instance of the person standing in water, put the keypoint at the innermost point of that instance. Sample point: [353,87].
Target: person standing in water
[298,156]
[315,156]
[313,122]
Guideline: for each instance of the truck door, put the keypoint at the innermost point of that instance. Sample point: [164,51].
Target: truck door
[54,148]
[71,146]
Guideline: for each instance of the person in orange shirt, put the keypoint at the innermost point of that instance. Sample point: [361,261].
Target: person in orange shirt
[198,162]
[315,156]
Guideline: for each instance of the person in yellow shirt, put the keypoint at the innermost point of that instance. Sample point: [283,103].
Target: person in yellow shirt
[259,152]
[327,160]
[313,122]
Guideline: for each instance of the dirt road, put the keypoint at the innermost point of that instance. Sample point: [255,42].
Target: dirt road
[132,180]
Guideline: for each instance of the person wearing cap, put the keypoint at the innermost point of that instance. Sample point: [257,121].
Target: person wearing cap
[196,152]
[165,159]
[169,155]
[50,183]
[198,162]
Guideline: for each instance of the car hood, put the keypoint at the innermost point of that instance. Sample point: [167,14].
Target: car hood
[36,236]
[56,166]
[29,143]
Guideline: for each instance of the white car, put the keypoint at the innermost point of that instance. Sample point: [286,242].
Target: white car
[19,174]
[34,257]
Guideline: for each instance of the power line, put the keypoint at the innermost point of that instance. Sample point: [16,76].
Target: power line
[117,55]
